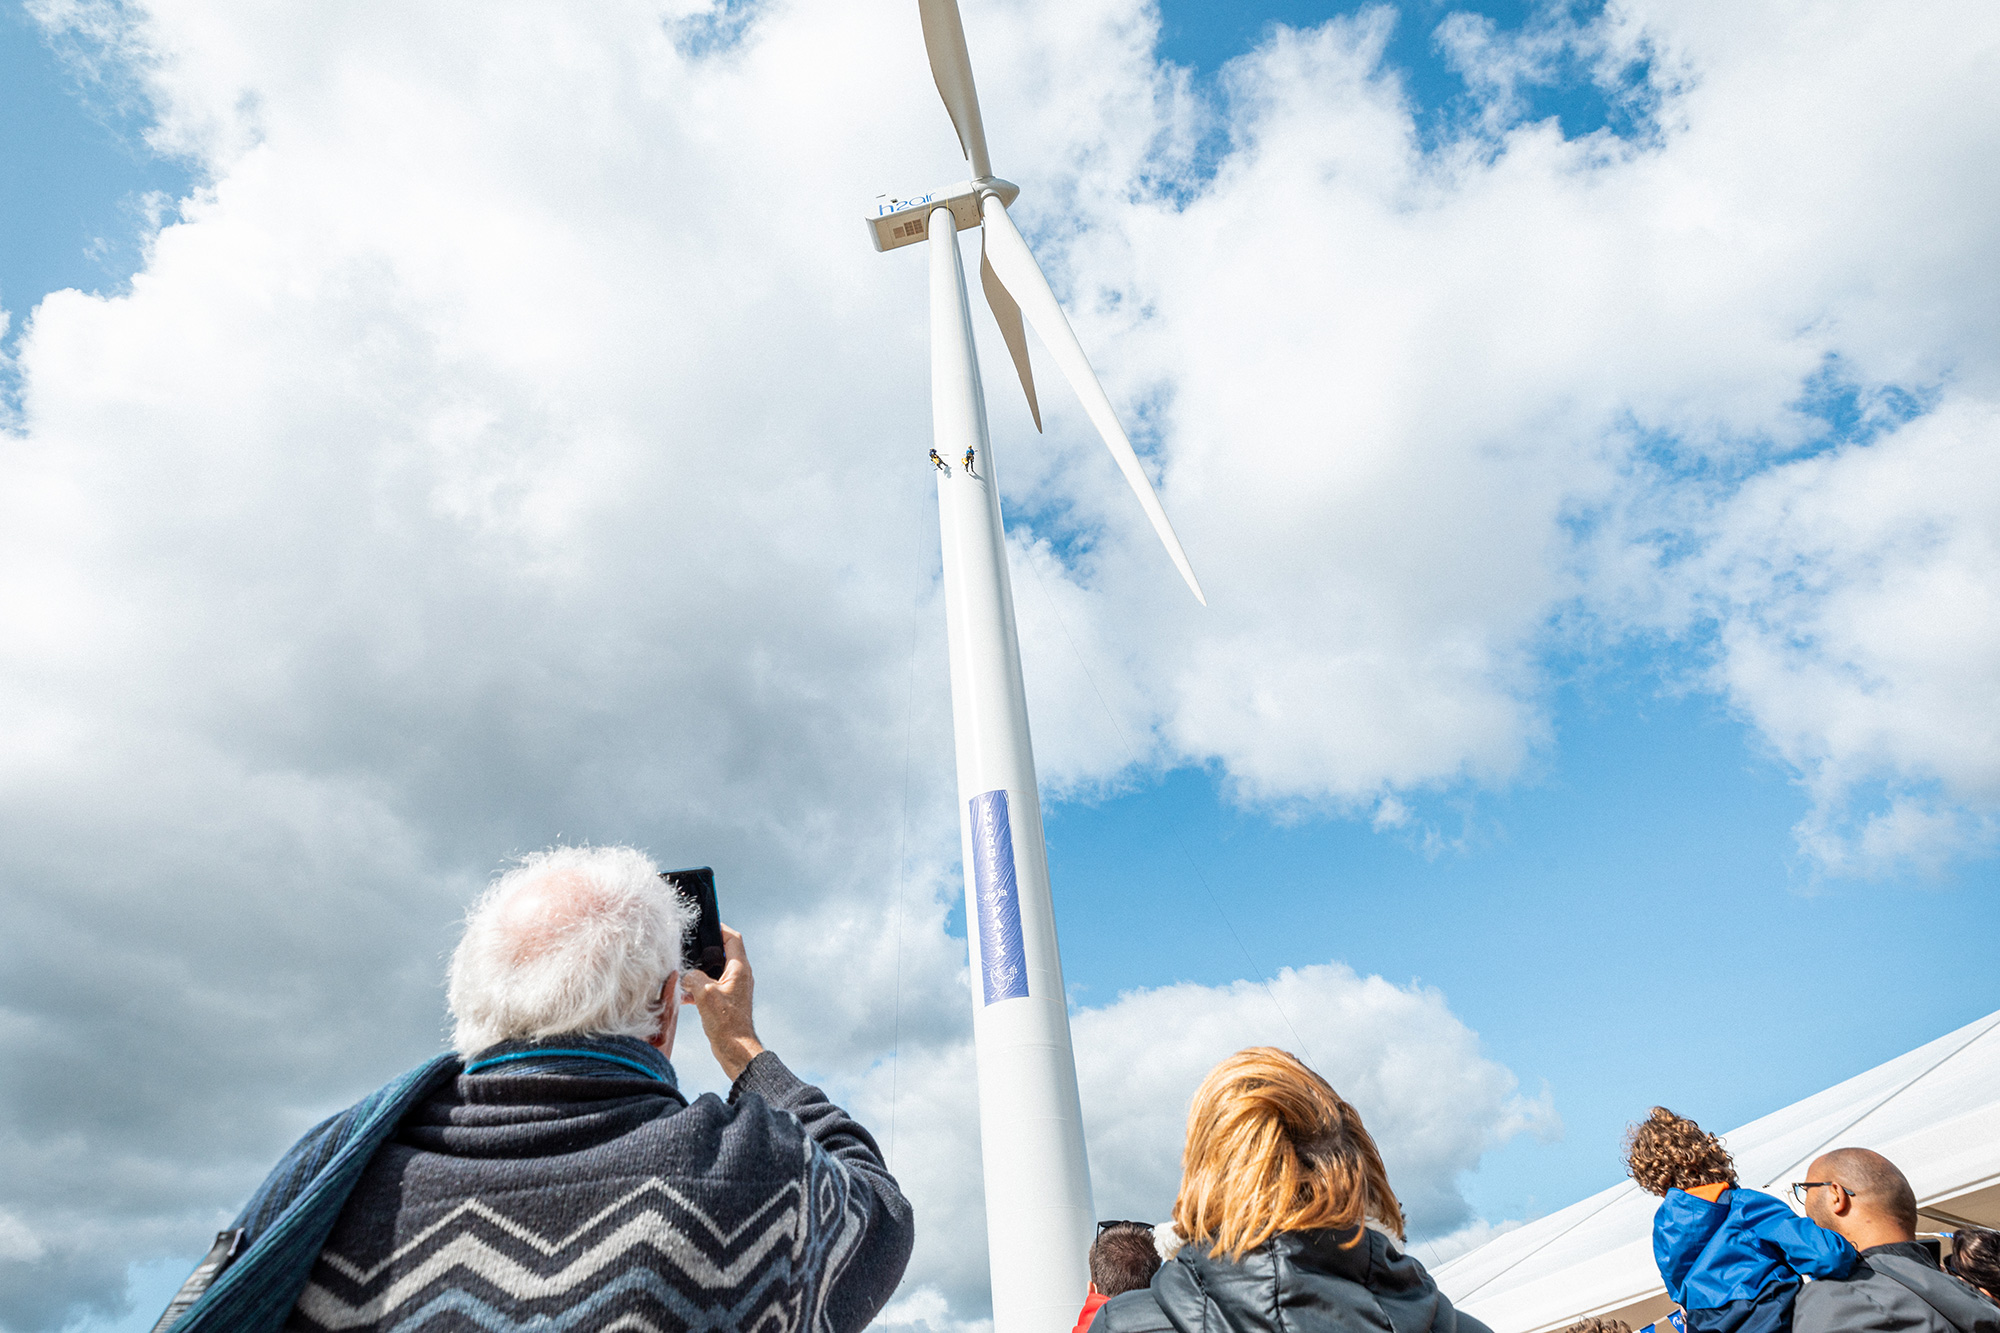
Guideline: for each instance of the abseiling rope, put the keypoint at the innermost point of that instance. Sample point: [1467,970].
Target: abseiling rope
[1132,756]
[903,834]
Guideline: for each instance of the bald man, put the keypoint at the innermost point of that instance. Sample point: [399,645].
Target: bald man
[1896,1287]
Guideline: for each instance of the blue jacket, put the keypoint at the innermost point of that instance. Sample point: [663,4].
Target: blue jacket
[1734,1265]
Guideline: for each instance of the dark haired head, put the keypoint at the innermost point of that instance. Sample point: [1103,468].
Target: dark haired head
[1975,1259]
[1123,1259]
[1667,1151]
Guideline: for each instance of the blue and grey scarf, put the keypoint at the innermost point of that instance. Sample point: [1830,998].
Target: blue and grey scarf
[251,1279]
[576,1057]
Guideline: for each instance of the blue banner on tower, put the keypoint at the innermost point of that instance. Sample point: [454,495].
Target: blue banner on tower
[1003,966]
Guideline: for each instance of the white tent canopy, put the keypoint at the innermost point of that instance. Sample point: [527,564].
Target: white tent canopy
[1934,1112]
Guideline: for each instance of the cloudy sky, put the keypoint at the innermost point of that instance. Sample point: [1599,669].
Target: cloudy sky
[430,432]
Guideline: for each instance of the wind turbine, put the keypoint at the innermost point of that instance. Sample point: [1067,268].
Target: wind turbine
[1039,1220]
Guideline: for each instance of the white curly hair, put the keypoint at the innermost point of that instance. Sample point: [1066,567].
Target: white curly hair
[569,940]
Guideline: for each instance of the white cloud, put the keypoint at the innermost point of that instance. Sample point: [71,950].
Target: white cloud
[1401,386]
[1441,1251]
[1415,1072]
[514,440]
[17,1243]
[926,1309]
[1412,1069]
[1858,599]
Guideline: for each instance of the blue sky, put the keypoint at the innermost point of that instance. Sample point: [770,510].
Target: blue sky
[1630,922]
[1627,919]
[78,174]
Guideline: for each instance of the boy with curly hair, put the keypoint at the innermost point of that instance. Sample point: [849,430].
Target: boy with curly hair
[1730,1257]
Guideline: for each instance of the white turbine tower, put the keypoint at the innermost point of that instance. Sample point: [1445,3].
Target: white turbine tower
[1039,1221]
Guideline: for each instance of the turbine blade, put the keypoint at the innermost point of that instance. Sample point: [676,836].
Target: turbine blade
[1015,267]
[1008,316]
[951,67]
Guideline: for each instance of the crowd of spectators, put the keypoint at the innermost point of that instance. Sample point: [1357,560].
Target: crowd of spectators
[1286,1224]
[549,1173]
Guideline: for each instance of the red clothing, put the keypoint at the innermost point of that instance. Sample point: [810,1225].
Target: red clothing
[1090,1304]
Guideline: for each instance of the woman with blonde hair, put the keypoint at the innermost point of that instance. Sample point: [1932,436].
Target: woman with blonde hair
[1288,1219]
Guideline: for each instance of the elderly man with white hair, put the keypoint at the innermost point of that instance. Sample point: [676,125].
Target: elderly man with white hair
[550,1174]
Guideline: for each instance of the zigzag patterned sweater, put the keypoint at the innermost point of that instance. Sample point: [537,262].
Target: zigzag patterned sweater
[556,1202]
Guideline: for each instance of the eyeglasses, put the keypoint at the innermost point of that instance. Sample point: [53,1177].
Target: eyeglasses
[1103,1227]
[1799,1188]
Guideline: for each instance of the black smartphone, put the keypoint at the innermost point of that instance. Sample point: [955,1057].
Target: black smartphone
[698,887]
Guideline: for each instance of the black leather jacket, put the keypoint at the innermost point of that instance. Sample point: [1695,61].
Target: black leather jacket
[1297,1282]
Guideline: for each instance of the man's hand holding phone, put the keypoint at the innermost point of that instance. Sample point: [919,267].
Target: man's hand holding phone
[724,1005]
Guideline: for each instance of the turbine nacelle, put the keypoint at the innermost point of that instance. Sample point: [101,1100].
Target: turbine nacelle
[898,222]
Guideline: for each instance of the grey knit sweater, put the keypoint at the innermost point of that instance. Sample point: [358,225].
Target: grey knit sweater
[560,1202]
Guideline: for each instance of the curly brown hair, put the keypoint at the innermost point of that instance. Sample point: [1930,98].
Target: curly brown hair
[1667,1151]
[1596,1325]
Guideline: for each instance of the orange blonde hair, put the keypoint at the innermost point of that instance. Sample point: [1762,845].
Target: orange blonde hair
[1272,1147]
